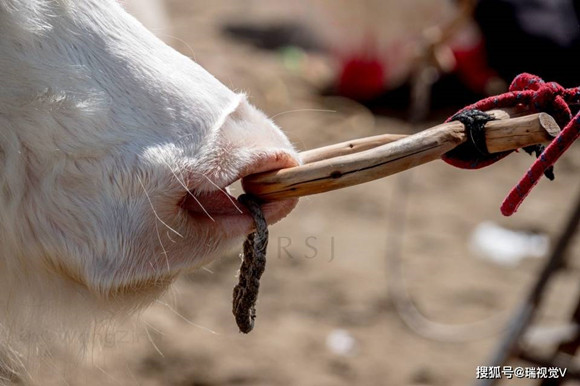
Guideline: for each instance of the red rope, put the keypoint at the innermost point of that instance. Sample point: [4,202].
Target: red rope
[549,97]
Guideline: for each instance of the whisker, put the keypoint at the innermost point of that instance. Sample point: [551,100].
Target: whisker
[130,373]
[223,191]
[185,319]
[154,211]
[188,191]
[186,44]
[199,203]
[114,379]
[150,338]
[157,228]
[163,248]
[154,267]
[149,325]
[208,270]
[302,110]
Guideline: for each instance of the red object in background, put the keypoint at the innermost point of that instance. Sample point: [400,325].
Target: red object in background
[472,68]
[361,78]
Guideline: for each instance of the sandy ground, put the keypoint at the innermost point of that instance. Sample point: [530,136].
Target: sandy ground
[327,275]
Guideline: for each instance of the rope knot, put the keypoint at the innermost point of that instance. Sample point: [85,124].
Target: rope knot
[532,91]
[472,154]
[554,99]
[526,81]
[547,94]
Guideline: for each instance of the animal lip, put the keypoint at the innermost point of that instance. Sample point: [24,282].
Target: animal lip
[218,202]
[221,208]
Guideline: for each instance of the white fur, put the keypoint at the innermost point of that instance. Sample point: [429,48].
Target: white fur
[101,124]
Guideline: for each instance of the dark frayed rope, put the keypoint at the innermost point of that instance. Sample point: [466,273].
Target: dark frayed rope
[252,268]
[473,154]
[537,150]
[474,121]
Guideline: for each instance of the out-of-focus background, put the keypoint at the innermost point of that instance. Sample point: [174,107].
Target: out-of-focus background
[342,260]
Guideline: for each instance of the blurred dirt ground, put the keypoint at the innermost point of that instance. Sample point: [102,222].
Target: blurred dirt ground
[327,268]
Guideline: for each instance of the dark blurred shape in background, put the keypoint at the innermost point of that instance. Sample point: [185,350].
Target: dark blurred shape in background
[537,36]
[275,35]
[473,55]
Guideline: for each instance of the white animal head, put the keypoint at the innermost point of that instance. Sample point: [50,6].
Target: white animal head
[103,131]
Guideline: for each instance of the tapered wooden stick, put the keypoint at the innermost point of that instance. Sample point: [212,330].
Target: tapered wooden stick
[360,144]
[367,159]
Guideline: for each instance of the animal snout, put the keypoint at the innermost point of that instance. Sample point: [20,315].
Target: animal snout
[117,154]
[246,143]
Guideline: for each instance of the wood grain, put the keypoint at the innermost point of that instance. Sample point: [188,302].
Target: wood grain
[362,160]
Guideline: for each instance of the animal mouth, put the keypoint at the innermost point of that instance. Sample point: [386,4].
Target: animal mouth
[220,209]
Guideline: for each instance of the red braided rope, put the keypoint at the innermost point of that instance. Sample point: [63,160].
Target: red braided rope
[549,97]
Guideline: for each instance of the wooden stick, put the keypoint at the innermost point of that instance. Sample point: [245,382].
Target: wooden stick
[357,145]
[348,147]
[520,132]
[349,169]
